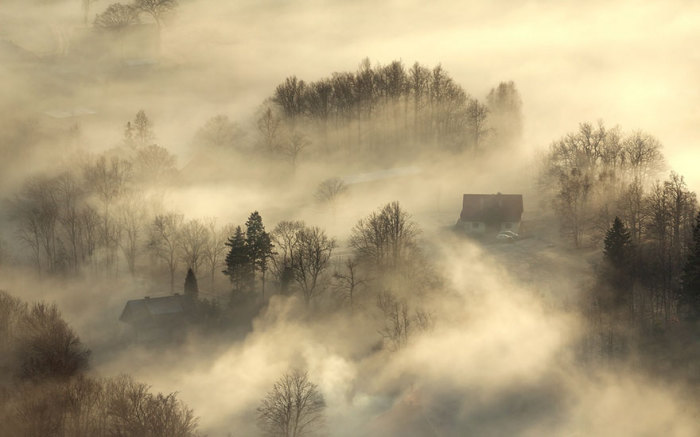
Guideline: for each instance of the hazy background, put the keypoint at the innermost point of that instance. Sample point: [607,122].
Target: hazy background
[631,64]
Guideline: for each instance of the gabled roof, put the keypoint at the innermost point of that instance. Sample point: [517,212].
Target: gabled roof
[151,308]
[492,207]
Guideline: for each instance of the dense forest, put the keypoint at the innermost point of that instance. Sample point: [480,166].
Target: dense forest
[300,263]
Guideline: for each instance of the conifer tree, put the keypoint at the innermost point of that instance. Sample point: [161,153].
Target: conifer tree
[690,293]
[259,245]
[191,287]
[617,244]
[238,264]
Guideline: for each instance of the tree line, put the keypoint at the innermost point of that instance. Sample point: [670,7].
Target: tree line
[384,110]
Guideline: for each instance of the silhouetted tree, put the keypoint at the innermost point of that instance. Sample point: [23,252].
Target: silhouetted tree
[259,246]
[385,238]
[117,16]
[191,287]
[165,241]
[239,267]
[293,408]
[157,9]
[617,244]
[310,258]
[48,347]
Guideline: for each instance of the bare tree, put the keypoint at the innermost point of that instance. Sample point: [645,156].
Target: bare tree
[310,258]
[398,322]
[165,241]
[157,9]
[294,146]
[386,238]
[477,114]
[330,189]
[109,180]
[348,282]
[70,197]
[219,132]
[132,217]
[285,237]
[293,408]
[214,253]
[36,210]
[154,165]
[117,17]
[193,242]
[269,127]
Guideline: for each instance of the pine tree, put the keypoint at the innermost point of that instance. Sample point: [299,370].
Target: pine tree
[617,244]
[238,264]
[259,245]
[191,287]
[690,293]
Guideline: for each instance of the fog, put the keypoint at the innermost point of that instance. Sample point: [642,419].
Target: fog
[513,346]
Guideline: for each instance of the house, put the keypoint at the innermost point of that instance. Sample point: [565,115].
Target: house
[486,214]
[157,318]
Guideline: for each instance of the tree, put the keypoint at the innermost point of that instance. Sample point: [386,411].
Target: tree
[617,244]
[310,257]
[132,218]
[157,9]
[269,128]
[139,133]
[191,287]
[117,17]
[330,189]
[219,132]
[165,241]
[690,293]
[154,165]
[239,267]
[285,236]
[194,236]
[259,245]
[477,114]
[48,347]
[386,238]
[505,107]
[348,282]
[293,408]
[215,248]
[294,146]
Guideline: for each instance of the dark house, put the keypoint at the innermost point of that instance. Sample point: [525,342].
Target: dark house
[157,318]
[491,213]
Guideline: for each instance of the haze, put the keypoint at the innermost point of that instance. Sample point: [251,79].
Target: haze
[542,324]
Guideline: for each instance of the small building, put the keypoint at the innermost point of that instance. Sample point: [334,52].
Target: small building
[486,214]
[157,318]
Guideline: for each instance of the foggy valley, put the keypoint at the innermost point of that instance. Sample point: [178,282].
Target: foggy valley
[260,218]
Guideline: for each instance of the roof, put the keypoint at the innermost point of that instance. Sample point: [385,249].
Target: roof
[151,308]
[492,207]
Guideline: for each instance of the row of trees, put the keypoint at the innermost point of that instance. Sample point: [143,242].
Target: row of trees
[381,110]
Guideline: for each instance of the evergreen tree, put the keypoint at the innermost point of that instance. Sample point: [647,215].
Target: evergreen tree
[259,245]
[617,244]
[238,264]
[191,287]
[690,294]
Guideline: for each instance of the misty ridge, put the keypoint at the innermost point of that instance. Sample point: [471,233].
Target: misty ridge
[364,251]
